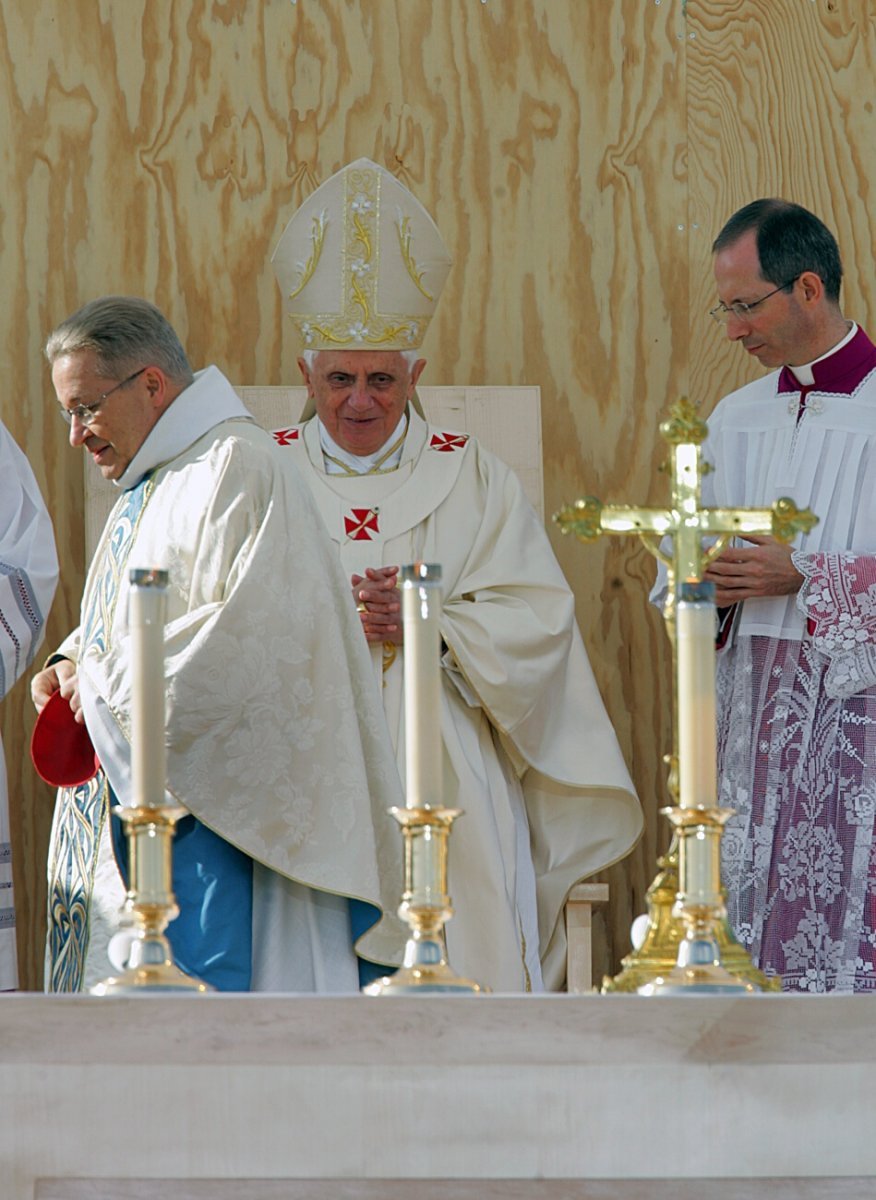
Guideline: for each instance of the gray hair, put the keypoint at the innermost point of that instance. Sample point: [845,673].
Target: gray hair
[410,356]
[122,331]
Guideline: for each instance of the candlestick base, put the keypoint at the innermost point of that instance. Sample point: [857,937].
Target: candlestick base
[417,983]
[150,968]
[698,972]
[425,969]
[151,906]
[657,956]
[698,969]
[426,908]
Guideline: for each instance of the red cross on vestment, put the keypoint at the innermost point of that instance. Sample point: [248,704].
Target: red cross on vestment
[448,442]
[283,437]
[360,524]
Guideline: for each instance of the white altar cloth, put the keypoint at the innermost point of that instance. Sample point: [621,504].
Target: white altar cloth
[561,1097]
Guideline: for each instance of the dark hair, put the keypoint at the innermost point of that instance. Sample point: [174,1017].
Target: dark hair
[122,331]
[790,240]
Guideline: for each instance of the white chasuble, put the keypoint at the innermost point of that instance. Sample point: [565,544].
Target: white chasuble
[275,738]
[529,754]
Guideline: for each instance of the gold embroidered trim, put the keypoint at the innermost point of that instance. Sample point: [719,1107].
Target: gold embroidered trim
[375,470]
[317,237]
[527,986]
[404,243]
[390,652]
[360,323]
[339,331]
[362,235]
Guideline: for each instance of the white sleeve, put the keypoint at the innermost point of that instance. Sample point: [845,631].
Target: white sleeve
[28,563]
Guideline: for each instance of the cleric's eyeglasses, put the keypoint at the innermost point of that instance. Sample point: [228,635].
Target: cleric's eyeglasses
[85,414]
[740,310]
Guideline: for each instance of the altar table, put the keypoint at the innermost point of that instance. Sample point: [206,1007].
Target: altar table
[442,1098]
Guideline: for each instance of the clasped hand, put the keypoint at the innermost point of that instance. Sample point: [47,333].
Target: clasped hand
[378,604]
[766,569]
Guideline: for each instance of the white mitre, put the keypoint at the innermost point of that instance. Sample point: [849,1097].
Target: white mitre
[361,264]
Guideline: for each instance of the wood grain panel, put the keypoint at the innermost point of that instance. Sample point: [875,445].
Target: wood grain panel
[780,103]
[159,147]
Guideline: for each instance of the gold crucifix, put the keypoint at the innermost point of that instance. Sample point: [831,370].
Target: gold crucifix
[687,523]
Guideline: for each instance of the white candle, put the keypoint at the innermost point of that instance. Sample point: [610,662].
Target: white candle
[146,612]
[421,609]
[695,656]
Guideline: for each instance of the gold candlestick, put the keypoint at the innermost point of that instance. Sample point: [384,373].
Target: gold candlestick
[150,821]
[425,823]
[686,522]
[698,821]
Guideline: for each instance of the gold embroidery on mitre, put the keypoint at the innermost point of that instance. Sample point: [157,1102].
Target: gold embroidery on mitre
[361,247]
[362,294]
[317,238]
[360,323]
[403,229]
[339,332]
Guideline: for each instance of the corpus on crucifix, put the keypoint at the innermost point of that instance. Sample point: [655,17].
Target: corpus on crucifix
[688,945]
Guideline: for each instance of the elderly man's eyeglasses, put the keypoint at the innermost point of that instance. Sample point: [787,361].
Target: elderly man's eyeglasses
[740,310]
[85,414]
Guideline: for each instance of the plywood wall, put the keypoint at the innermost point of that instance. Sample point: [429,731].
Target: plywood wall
[578,156]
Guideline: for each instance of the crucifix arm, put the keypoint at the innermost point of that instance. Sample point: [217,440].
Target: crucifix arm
[632,518]
[731,521]
[686,524]
[588,518]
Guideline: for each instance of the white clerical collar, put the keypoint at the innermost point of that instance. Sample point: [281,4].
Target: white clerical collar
[804,375]
[338,461]
[204,404]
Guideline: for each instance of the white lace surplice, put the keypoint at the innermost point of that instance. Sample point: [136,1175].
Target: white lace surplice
[797,759]
[796,701]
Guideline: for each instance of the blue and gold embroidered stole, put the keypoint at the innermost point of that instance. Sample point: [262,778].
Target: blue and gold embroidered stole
[82,811]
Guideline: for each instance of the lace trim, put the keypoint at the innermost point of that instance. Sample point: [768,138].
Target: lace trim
[839,602]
